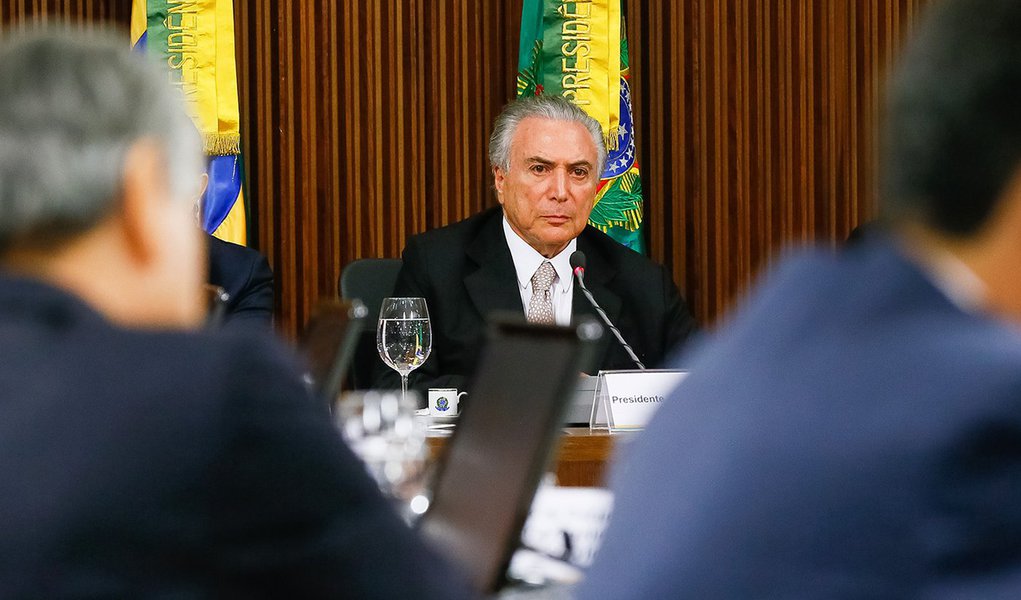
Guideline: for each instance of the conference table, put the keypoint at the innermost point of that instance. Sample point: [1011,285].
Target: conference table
[582,458]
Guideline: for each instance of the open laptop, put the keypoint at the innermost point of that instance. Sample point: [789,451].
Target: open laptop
[328,344]
[501,447]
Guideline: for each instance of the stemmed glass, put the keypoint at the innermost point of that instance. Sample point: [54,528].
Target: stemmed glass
[404,337]
[382,430]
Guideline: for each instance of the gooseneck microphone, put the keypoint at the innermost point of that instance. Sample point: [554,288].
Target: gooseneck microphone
[578,268]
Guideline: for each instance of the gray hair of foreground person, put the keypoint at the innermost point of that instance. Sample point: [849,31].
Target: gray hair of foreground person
[554,108]
[71,106]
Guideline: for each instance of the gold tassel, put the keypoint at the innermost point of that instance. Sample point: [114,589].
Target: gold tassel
[222,144]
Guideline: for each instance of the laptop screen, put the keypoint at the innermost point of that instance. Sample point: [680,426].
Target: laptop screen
[499,451]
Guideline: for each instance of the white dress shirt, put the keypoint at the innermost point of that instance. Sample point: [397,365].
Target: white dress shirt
[527,261]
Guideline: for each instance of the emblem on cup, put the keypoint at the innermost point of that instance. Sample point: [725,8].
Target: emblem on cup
[443,402]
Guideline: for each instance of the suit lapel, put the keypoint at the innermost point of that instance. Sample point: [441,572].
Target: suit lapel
[598,274]
[493,286]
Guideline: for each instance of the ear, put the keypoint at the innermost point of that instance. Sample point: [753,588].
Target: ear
[143,187]
[203,184]
[499,178]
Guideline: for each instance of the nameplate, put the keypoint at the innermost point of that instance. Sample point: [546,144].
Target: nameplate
[626,400]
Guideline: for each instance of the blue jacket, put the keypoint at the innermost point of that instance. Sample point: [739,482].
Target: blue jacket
[851,434]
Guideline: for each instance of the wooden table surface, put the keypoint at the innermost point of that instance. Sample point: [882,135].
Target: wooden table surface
[582,459]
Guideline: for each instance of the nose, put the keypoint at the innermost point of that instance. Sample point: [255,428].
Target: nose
[558,186]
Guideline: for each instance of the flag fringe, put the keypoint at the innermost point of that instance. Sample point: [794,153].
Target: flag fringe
[222,144]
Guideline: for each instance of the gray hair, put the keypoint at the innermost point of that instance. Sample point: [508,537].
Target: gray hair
[71,106]
[552,107]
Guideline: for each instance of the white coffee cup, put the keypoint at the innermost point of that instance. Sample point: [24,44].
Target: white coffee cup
[443,402]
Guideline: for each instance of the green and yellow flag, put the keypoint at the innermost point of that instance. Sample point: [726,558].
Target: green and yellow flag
[195,40]
[579,50]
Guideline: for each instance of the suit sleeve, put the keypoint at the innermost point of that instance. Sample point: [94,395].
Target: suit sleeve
[254,304]
[679,326]
[298,515]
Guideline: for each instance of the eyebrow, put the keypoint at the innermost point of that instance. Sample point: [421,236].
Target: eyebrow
[545,161]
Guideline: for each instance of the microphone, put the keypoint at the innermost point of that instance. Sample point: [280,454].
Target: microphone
[578,268]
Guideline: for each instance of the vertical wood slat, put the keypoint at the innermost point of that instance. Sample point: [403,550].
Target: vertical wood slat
[366,122]
[756,129]
[380,114]
[80,13]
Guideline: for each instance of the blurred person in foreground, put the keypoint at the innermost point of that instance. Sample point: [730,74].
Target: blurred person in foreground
[855,432]
[546,154]
[141,457]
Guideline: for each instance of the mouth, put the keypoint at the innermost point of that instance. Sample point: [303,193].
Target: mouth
[556,219]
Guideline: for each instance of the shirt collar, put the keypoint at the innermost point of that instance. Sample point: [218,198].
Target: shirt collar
[527,260]
[951,277]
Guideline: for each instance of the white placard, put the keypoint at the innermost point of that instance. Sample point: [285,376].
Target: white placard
[626,400]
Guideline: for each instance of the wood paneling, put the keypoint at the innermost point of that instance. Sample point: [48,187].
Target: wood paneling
[757,125]
[25,13]
[365,122]
[370,120]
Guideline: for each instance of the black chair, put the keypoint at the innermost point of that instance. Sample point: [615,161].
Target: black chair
[369,280]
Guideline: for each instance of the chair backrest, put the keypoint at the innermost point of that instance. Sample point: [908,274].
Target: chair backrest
[369,280]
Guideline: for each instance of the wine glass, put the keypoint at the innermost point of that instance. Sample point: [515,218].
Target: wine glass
[404,337]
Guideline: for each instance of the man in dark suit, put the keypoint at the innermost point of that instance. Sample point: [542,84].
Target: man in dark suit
[141,458]
[547,155]
[855,431]
[246,276]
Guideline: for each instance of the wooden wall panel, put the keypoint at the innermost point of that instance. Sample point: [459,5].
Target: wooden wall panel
[756,127]
[365,122]
[25,13]
[370,121]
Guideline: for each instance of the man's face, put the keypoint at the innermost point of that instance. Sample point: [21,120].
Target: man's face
[548,191]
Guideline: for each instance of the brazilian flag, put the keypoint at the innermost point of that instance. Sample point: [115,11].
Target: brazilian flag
[194,39]
[579,50]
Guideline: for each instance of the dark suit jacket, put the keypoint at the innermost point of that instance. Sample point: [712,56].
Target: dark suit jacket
[245,275]
[852,434]
[165,464]
[466,273]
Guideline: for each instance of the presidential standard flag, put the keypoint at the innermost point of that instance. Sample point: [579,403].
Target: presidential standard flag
[579,50]
[194,39]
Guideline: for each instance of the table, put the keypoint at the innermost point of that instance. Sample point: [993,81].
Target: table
[582,458]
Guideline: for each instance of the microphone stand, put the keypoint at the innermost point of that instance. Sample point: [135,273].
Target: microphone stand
[579,276]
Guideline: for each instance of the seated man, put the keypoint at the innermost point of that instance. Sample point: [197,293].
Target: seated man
[245,275]
[141,458]
[547,155]
[855,431]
